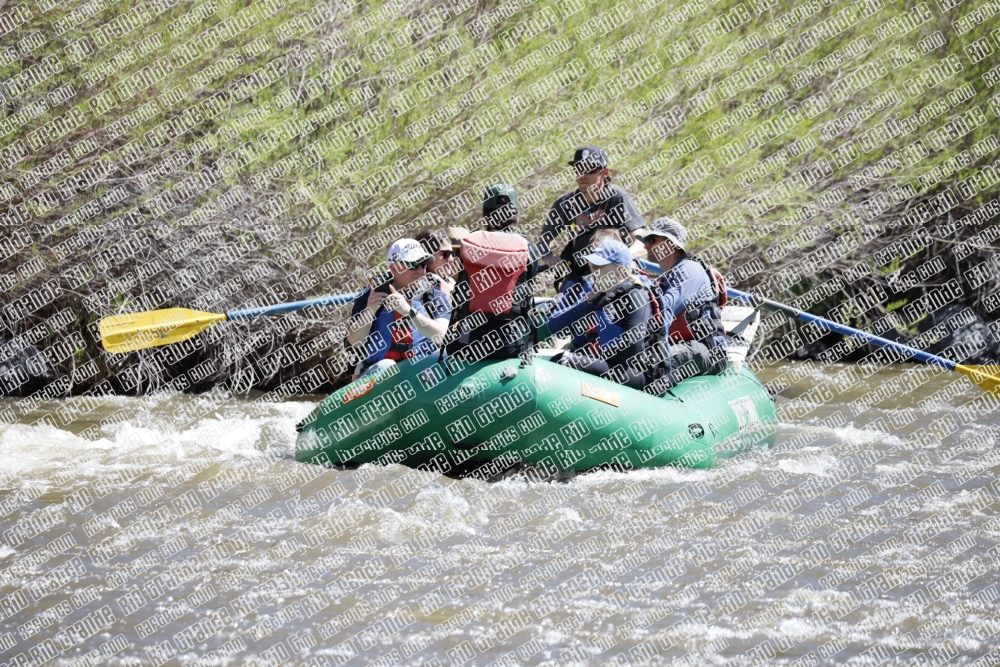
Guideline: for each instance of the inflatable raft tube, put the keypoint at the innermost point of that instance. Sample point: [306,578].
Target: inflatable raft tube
[422,415]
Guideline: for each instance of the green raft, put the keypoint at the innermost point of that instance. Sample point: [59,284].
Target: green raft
[495,415]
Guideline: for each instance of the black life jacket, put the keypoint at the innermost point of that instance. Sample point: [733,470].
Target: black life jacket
[591,338]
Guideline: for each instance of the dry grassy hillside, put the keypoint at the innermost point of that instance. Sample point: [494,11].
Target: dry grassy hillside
[217,154]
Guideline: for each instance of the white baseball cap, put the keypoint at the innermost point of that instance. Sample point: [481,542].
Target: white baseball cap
[407,250]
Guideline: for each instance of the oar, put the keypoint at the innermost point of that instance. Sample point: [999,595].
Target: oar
[137,331]
[987,377]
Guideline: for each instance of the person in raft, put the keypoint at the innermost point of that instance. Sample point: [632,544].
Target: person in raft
[691,296]
[443,245]
[400,315]
[615,316]
[494,289]
[596,203]
[583,288]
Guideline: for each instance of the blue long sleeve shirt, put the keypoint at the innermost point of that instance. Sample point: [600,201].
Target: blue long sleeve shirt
[687,288]
[685,283]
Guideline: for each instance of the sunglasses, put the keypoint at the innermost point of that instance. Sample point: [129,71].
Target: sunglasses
[583,171]
[446,254]
[652,240]
[413,266]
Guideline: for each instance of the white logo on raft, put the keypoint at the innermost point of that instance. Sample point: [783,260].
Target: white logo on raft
[745,411]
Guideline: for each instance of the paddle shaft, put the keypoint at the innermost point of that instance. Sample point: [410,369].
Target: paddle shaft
[824,323]
[278,309]
[836,327]
[318,302]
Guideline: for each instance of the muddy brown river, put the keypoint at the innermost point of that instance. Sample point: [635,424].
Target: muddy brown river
[184,533]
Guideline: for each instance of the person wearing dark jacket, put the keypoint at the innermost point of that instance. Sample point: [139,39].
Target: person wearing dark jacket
[595,204]
[614,315]
[691,294]
[493,294]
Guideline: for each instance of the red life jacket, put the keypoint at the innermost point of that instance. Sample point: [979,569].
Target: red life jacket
[679,329]
[493,261]
[495,266]
[401,346]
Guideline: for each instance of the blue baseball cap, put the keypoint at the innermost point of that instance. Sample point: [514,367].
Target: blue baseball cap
[610,252]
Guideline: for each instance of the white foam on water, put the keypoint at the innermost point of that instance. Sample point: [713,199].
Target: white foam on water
[850,434]
[949,501]
[855,435]
[882,634]
[443,505]
[705,632]
[798,629]
[823,598]
[647,476]
[553,637]
[561,514]
[394,526]
[25,449]
[6,551]
[892,467]
[811,461]
[40,449]
[225,435]
[964,642]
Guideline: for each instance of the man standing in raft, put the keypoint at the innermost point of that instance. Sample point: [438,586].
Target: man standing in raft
[493,293]
[691,297]
[403,317]
[596,203]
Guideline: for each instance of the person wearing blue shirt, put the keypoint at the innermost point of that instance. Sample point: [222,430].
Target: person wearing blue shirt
[691,295]
[405,316]
[613,316]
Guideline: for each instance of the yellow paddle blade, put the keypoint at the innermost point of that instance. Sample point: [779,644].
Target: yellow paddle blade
[987,377]
[137,331]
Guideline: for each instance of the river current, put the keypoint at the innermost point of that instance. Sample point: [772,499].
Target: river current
[185,533]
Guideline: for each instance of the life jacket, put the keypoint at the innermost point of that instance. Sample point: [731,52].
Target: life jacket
[709,310]
[571,292]
[391,334]
[585,225]
[493,262]
[602,329]
[494,266]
